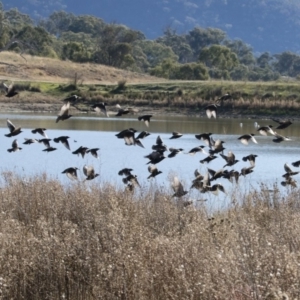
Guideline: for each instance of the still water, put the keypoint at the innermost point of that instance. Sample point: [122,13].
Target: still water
[95,131]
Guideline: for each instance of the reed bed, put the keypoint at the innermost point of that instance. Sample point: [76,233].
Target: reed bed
[95,241]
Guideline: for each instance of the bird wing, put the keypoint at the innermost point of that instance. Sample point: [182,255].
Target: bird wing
[10,125]
[287,168]
[64,109]
[88,171]
[159,141]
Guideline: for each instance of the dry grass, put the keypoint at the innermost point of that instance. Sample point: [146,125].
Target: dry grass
[44,69]
[91,242]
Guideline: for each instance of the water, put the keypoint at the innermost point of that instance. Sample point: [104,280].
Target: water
[95,131]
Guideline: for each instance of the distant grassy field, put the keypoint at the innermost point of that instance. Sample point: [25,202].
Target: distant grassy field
[49,80]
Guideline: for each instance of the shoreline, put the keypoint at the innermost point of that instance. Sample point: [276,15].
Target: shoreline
[37,107]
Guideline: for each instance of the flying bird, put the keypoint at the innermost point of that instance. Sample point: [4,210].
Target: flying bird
[153,171]
[146,119]
[41,131]
[13,130]
[14,147]
[64,113]
[100,107]
[178,188]
[63,140]
[282,123]
[211,110]
[246,138]
[81,151]
[10,90]
[94,152]
[89,172]
[71,173]
[176,135]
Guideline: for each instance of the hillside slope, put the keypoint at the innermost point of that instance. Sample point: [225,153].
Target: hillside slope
[33,68]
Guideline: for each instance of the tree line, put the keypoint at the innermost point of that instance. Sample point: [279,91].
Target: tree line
[200,54]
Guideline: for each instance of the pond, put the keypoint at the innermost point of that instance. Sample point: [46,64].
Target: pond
[97,131]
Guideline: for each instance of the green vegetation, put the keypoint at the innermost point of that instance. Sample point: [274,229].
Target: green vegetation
[191,97]
[200,54]
[83,241]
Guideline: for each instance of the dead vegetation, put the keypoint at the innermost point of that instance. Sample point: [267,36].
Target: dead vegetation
[44,69]
[84,241]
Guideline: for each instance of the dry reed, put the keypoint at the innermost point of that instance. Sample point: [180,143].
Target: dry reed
[96,242]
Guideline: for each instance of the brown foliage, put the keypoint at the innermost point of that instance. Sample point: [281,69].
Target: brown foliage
[83,241]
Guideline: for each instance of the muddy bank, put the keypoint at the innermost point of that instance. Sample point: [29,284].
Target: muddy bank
[39,107]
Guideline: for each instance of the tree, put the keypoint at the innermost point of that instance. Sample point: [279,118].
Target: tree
[156,53]
[178,43]
[198,38]
[243,51]
[191,71]
[220,57]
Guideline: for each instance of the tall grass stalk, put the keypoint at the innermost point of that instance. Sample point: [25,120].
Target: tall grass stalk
[83,241]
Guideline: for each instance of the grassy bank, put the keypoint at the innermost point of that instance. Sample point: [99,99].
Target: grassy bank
[89,242]
[47,81]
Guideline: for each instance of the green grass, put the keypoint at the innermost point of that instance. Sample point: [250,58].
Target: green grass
[275,98]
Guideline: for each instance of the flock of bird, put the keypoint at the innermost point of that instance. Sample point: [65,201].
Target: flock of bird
[204,183]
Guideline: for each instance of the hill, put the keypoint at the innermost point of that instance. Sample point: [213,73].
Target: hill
[42,69]
[269,25]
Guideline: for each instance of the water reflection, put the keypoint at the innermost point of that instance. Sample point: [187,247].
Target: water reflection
[99,132]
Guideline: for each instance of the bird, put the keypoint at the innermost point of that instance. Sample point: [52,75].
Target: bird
[49,149]
[176,135]
[13,130]
[89,172]
[246,137]
[100,107]
[143,134]
[216,188]
[125,111]
[205,137]
[296,163]
[63,140]
[247,170]
[197,149]
[230,159]
[71,173]
[81,150]
[72,98]
[153,171]
[46,142]
[264,130]
[215,174]
[131,179]
[251,159]
[211,110]
[14,147]
[146,119]
[155,157]
[30,141]
[282,123]
[174,152]
[178,188]
[289,171]
[125,172]
[208,159]
[289,181]
[121,111]
[41,131]
[280,138]
[10,90]
[225,97]
[129,138]
[217,147]
[94,152]
[64,113]
[159,146]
